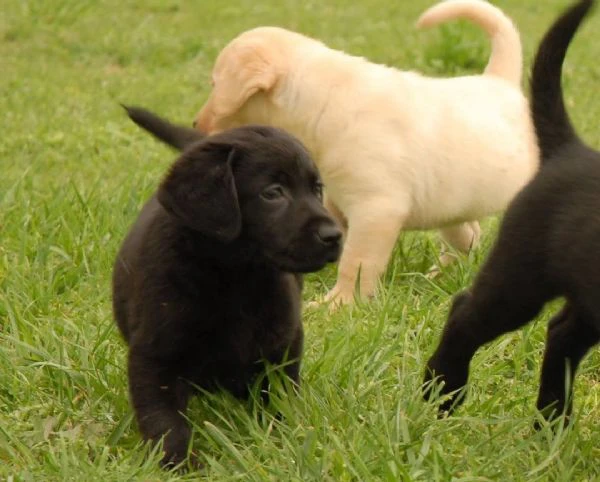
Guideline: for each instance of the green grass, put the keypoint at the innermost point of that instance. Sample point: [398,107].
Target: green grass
[73,174]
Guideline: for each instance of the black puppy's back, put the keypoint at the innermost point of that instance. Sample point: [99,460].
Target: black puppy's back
[567,187]
[127,262]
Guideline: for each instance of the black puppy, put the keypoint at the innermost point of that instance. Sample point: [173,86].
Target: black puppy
[548,247]
[205,286]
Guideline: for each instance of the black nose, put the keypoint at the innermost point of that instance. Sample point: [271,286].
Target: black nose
[329,234]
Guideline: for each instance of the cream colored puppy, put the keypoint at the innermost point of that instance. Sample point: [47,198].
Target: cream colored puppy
[396,150]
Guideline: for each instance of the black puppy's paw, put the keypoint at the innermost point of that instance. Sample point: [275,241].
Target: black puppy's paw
[448,384]
[553,411]
[432,385]
[177,463]
[553,420]
[175,435]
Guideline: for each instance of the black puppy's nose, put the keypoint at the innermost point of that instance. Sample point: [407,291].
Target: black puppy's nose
[329,234]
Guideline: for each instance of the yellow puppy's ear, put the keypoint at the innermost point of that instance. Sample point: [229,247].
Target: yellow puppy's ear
[246,70]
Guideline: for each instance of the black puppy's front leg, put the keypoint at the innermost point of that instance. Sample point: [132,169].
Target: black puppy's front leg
[291,357]
[450,362]
[158,397]
[294,357]
[569,338]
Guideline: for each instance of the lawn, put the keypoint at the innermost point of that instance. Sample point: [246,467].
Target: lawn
[73,174]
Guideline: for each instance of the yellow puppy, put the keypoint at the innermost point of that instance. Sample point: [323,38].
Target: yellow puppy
[396,150]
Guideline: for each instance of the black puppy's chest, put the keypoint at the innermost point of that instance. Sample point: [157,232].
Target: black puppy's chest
[258,314]
[245,318]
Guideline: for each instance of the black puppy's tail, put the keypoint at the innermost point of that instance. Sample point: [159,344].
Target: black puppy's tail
[552,123]
[174,135]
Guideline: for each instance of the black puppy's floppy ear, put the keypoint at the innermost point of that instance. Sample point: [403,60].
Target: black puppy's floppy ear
[174,135]
[200,191]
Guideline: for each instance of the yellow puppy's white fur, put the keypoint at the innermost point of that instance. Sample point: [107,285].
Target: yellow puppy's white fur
[396,150]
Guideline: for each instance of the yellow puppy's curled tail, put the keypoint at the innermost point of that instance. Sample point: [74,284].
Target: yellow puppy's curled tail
[506,60]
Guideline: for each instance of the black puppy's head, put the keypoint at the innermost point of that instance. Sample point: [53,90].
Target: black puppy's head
[251,185]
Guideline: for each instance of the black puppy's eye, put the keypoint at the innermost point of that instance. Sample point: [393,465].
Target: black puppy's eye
[272,193]
[318,189]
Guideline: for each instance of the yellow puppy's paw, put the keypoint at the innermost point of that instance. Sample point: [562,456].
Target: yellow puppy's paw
[446,259]
[312,305]
[433,272]
[335,299]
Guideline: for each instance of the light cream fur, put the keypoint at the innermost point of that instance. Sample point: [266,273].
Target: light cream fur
[396,150]
[506,60]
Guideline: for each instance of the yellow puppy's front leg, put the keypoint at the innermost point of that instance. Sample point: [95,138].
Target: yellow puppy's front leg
[372,234]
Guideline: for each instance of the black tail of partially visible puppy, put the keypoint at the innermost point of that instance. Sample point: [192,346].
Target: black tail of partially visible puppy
[174,135]
[552,123]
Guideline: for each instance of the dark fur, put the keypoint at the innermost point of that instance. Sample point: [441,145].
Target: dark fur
[548,247]
[206,285]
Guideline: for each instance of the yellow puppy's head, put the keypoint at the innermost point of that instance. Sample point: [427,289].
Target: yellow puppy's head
[248,68]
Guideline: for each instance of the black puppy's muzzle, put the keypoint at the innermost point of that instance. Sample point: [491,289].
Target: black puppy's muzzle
[312,239]
[330,237]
